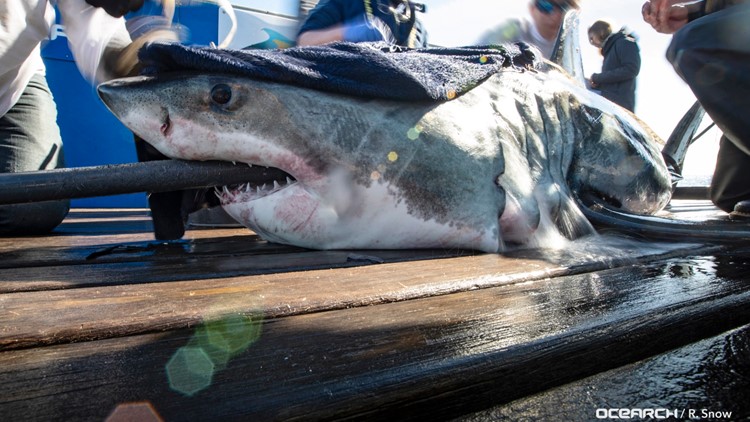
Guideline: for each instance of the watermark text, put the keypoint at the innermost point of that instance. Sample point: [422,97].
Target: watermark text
[660,413]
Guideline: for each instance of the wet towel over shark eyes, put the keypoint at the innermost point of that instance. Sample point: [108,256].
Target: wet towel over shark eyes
[363,69]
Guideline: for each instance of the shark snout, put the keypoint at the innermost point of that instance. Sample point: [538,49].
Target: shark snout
[109,94]
[119,95]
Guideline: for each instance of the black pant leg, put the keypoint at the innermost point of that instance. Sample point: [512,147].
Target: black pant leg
[712,55]
[166,207]
[730,182]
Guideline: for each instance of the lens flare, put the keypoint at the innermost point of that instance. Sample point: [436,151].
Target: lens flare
[192,368]
[225,338]
[137,411]
[413,133]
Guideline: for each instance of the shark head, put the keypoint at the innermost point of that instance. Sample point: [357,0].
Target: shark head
[362,173]
[616,157]
[620,162]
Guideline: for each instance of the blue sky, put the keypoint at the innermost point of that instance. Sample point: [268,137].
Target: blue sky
[662,98]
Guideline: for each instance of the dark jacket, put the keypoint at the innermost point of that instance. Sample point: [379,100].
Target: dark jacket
[710,6]
[332,12]
[622,63]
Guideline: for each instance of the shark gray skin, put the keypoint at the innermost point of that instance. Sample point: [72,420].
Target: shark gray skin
[474,172]
[489,167]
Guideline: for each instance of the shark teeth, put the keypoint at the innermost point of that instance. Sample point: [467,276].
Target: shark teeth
[250,191]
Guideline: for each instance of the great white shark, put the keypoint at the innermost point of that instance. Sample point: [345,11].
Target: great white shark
[486,168]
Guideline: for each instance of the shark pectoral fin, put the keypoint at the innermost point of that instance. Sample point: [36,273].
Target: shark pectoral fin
[564,213]
[571,222]
[567,50]
[519,220]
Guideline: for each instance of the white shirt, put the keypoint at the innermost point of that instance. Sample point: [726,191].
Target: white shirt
[24,24]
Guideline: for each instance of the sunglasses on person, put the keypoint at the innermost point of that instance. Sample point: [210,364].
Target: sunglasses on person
[547,7]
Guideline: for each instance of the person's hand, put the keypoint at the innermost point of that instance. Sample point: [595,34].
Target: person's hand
[666,16]
[117,8]
[123,61]
[127,63]
[362,29]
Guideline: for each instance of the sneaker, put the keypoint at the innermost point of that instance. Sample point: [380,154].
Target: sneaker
[741,210]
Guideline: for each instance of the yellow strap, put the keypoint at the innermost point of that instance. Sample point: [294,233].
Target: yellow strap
[368,10]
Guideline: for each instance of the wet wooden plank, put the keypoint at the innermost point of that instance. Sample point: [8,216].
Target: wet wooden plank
[198,267]
[86,227]
[137,251]
[140,270]
[111,227]
[80,314]
[100,227]
[231,256]
[434,357]
[109,236]
[694,210]
[708,380]
[44,263]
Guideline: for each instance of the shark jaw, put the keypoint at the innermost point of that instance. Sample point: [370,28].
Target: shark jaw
[248,192]
[340,214]
[348,217]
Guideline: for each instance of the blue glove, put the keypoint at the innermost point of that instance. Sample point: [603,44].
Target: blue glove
[361,30]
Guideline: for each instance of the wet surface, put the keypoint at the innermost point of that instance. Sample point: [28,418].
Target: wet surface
[219,328]
[708,380]
[562,347]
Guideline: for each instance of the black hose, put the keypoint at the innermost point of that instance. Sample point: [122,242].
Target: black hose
[603,216]
[115,179]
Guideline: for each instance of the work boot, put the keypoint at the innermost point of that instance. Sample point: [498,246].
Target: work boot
[741,210]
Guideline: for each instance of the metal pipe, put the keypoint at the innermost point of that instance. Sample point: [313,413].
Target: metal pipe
[691,192]
[148,176]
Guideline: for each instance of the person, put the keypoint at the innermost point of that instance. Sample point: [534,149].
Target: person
[29,136]
[710,51]
[620,66]
[539,29]
[392,21]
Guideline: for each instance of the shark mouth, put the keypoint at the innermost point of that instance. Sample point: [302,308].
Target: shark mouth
[266,185]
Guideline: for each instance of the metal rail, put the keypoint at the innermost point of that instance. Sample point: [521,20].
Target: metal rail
[148,176]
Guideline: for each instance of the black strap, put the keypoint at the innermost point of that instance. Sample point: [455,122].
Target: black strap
[400,28]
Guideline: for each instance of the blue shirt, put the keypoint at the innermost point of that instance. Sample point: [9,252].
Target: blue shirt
[334,12]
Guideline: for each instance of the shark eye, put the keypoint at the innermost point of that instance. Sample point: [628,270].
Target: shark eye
[221,94]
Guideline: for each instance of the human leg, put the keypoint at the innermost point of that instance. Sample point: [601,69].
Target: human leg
[730,183]
[30,141]
[712,54]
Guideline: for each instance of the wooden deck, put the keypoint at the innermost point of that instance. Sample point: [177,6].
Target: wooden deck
[97,320]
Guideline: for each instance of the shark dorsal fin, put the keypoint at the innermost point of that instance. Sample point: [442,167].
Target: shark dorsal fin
[567,50]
